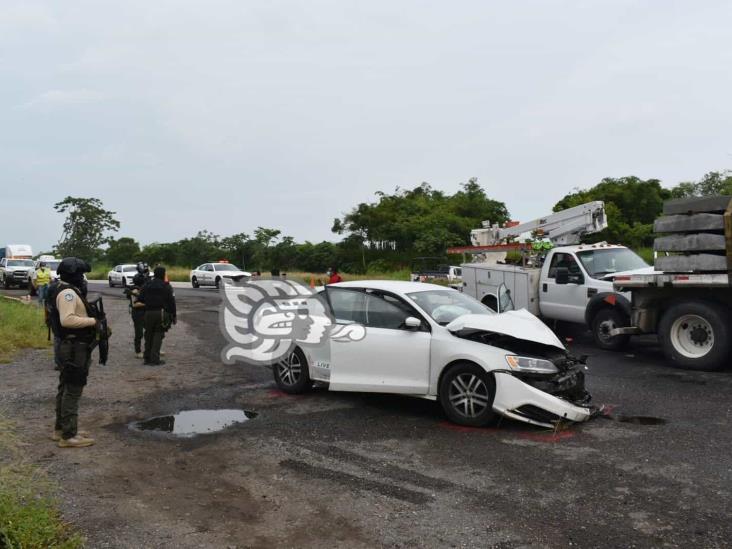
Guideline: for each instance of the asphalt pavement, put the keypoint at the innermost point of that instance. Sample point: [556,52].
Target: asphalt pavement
[654,470]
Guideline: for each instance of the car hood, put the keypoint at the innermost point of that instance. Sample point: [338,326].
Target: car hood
[519,324]
[235,274]
[641,271]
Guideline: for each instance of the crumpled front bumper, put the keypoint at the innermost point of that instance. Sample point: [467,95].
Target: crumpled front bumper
[518,400]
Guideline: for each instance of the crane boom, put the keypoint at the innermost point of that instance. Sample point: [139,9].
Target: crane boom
[562,228]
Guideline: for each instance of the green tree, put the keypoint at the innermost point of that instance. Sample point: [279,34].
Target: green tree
[712,183]
[85,228]
[122,250]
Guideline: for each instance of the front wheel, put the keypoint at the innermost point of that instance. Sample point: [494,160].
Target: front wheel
[109,279]
[696,335]
[291,374]
[194,282]
[466,394]
[604,321]
[218,282]
[6,283]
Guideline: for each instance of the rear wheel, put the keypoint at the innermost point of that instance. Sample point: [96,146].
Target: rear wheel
[291,374]
[466,394]
[696,335]
[604,321]
[194,282]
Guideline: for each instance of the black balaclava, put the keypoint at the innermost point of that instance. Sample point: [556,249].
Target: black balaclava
[71,270]
[159,272]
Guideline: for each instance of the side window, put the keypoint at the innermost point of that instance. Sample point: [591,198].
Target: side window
[118,269]
[347,305]
[563,260]
[386,311]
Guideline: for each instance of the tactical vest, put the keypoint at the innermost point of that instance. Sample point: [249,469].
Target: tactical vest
[54,319]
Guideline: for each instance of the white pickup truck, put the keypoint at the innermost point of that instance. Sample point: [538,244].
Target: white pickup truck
[574,284]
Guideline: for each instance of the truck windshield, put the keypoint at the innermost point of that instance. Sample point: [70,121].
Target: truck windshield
[20,263]
[602,262]
[444,306]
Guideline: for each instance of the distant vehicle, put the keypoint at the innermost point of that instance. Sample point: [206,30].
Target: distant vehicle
[437,343]
[430,268]
[122,275]
[15,272]
[18,251]
[211,274]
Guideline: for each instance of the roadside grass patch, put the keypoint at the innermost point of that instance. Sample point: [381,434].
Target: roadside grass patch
[29,515]
[21,326]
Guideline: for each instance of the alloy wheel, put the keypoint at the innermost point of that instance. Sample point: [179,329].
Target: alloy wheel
[469,395]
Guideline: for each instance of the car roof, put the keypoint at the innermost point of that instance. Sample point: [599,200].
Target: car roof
[402,286]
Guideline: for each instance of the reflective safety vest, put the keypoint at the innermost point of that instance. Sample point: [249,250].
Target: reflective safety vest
[43,277]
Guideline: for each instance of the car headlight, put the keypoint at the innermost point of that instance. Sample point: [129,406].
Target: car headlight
[532,365]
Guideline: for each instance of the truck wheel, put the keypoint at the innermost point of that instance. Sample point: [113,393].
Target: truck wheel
[6,283]
[604,321]
[696,335]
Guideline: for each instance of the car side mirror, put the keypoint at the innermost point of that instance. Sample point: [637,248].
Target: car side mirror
[412,323]
[562,275]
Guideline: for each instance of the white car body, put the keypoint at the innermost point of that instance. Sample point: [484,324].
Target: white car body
[412,360]
[122,275]
[211,274]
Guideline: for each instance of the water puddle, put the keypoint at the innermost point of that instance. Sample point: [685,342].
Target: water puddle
[193,422]
[641,420]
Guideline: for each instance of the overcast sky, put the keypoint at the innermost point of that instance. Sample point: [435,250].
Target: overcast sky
[227,115]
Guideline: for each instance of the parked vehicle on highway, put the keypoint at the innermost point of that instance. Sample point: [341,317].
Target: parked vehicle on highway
[688,302]
[572,286]
[122,275]
[425,269]
[16,251]
[15,272]
[211,274]
[437,343]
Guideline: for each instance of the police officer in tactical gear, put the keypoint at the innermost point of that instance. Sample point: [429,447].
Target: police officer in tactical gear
[160,313]
[137,307]
[73,324]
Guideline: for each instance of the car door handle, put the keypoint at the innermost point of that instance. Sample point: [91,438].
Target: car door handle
[591,292]
[544,287]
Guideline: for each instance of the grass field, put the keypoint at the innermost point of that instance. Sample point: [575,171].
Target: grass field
[21,326]
[29,516]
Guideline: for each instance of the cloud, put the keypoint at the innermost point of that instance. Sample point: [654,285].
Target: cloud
[63,98]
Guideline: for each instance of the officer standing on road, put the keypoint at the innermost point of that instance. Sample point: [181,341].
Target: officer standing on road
[137,308]
[160,313]
[76,329]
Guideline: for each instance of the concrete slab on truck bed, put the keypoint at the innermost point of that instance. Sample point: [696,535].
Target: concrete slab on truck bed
[699,263]
[690,243]
[689,223]
[696,204]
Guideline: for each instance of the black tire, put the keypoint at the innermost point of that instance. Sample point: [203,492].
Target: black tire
[698,325]
[607,319]
[124,282]
[218,282]
[291,379]
[109,279]
[194,282]
[6,283]
[479,388]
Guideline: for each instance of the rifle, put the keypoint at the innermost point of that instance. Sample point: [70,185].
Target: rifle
[103,331]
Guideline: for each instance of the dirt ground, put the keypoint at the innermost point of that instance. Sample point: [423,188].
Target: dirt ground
[358,470]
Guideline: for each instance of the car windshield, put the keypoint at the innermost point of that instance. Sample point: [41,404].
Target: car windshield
[225,267]
[601,262]
[53,265]
[20,263]
[444,306]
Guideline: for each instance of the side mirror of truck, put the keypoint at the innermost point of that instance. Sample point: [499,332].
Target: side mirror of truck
[562,276]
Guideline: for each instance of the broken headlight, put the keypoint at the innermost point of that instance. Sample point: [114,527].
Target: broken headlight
[531,365]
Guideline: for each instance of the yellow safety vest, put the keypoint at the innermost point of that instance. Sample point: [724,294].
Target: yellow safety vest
[43,277]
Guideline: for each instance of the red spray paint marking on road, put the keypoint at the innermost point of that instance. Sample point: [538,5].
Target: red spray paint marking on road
[552,436]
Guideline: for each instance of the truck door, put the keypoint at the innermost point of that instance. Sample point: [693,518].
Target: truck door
[564,301]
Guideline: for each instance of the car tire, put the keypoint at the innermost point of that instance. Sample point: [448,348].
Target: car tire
[466,393]
[291,374]
[696,335]
[607,319]
[194,282]
[218,282]
[6,283]
[124,282]
[109,279]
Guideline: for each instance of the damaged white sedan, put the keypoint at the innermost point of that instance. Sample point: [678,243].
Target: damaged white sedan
[437,343]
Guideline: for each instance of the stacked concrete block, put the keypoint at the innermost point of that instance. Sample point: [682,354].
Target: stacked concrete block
[698,235]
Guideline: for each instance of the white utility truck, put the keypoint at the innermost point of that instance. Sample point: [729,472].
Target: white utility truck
[573,284]
[689,304]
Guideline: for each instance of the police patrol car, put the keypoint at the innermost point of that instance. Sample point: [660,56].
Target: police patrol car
[211,274]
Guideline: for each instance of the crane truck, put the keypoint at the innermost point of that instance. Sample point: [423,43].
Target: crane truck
[573,283]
